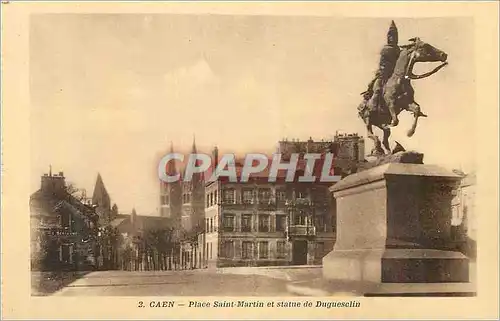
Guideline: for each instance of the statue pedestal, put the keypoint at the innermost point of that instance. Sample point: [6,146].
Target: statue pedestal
[393,226]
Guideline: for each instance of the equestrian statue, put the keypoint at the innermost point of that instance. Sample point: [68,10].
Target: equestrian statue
[390,91]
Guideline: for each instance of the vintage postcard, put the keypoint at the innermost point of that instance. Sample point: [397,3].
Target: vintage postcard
[253,160]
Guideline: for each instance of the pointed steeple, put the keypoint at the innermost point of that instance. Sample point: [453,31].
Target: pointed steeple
[101,196]
[193,150]
[172,170]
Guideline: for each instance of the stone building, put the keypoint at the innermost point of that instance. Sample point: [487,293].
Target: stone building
[260,222]
[463,221]
[182,202]
[348,149]
[64,230]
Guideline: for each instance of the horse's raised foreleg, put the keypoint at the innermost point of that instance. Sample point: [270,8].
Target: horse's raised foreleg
[385,141]
[415,109]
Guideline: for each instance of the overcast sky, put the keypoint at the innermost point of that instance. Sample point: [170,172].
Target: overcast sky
[109,92]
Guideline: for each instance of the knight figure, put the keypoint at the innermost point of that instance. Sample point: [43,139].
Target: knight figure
[388,58]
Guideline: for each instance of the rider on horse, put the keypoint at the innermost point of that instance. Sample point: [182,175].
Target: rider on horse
[388,57]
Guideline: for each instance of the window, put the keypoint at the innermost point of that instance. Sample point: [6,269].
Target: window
[281,249]
[215,197]
[455,216]
[247,196]
[246,250]
[211,199]
[301,194]
[210,249]
[228,196]
[264,195]
[299,218]
[228,249]
[263,250]
[320,223]
[206,223]
[280,223]
[280,196]
[246,223]
[208,201]
[228,222]
[211,225]
[264,223]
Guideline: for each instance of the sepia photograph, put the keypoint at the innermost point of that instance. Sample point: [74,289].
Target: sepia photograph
[253,160]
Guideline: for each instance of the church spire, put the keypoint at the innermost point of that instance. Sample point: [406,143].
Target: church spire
[101,199]
[171,165]
[194,144]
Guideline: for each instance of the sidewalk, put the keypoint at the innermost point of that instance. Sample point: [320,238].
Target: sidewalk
[322,287]
[49,282]
[288,273]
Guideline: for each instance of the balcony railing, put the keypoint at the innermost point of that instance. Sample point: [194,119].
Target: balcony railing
[301,230]
[299,202]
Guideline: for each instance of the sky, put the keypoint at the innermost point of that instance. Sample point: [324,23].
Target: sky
[108,93]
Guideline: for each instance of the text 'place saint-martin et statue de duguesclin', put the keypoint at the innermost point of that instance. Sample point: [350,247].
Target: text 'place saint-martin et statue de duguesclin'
[391,91]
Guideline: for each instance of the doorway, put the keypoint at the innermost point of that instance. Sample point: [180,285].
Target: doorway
[299,256]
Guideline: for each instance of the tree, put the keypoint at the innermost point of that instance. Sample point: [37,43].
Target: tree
[158,245]
[108,241]
[78,193]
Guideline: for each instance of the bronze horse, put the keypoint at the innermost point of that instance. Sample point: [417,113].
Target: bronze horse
[398,93]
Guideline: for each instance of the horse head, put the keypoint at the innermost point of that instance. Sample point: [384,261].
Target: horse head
[424,52]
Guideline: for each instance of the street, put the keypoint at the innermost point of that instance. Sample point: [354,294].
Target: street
[219,282]
[240,281]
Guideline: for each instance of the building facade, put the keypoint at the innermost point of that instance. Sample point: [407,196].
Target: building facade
[260,223]
[182,202]
[463,221]
[64,230]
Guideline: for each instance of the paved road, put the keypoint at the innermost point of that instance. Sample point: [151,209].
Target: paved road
[221,282]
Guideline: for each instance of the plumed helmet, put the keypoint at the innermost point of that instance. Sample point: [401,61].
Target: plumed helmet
[392,34]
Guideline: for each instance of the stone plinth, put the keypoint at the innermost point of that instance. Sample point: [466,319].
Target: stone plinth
[393,225]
